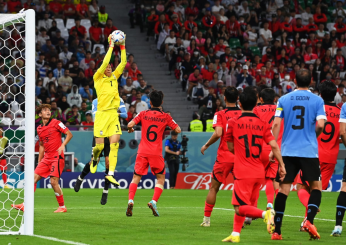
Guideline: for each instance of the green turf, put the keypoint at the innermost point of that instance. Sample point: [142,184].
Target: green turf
[181,214]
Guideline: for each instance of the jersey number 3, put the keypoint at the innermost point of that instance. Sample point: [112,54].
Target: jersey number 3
[299,117]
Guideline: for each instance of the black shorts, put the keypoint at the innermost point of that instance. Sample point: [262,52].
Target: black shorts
[106,148]
[310,168]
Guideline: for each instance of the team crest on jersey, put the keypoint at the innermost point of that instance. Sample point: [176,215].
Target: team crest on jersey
[101,132]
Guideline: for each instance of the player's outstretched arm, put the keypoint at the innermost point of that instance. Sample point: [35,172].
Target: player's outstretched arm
[215,136]
[130,126]
[277,154]
[343,132]
[67,139]
[99,73]
[120,68]
[40,151]
[319,126]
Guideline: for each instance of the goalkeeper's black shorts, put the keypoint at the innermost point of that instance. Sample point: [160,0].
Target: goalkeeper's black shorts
[106,149]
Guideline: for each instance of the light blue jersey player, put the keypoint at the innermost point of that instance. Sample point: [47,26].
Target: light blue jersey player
[121,111]
[304,118]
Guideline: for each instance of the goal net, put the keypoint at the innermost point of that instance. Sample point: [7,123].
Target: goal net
[17,118]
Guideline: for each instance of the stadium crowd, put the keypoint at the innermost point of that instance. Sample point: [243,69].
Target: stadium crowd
[214,44]
[71,41]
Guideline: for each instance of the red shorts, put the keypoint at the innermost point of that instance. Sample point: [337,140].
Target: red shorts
[3,164]
[271,168]
[246,191]
[157,164]
[327,170]
[221,170]
[50,166]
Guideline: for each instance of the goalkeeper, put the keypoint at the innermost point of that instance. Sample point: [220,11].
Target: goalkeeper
[106,118]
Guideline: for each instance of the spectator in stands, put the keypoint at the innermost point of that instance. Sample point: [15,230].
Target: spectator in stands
[129,86]
[109,28]
[58,72]
[56,111]
[244,79]
[143,86]
[130,113]
[65,82]
[139,104]
[86,92]
[78,166]
[133,72]
[56,7]
[132,97]
[62,104]
[90,71]
[102,16]
[13,6]
[162,37]
[81,31]
[73,98]
[49,79]
[223,71]
[72,116]
[83,10]
[74,72]
[319,17]
[84,64]
[46,22]
[170,41]
[88,121]
[69,9]
[265,35]
[190,23]
[194,79]
[202,92]
[42,37]
[94,9]
[95,33]
[65,56]
[83,110]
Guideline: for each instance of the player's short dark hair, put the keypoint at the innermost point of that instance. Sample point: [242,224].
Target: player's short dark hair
[327,90]
[231,94]
[268,95]
[156,98]
[248,98]
[41,107]
[303,78]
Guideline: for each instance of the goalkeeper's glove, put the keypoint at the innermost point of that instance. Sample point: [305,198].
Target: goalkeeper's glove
[110,41]
[123,41]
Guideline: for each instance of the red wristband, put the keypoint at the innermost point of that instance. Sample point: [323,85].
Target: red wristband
[122,47]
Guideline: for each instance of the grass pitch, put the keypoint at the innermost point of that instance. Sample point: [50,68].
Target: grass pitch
[181,212]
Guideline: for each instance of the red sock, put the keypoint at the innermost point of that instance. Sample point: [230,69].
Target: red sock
[238,222]
[35,185]
[60,200]
[250,211]
[157,193]
[269,190]
[208,208]
[132,190]
[276,192]
[4,178]
[303,196]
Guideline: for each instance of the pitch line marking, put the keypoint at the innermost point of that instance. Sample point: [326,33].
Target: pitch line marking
[59,240]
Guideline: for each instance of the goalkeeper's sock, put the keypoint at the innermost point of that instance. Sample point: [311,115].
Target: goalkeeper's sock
[113,158]
[107,182]
[4,178]
[238,222]
[60,199]
[97,151]
[208,208]
[35,185]
[85,171]
[132,191]
[157,192]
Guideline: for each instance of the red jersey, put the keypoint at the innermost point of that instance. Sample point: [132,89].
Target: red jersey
[328,142]
[50,136]
[220,120]
[248,133]
[108,30]
[55,7]
[153,123]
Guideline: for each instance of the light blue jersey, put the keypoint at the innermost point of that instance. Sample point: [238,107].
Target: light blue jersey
[300,110]
[343,114]
[122,108]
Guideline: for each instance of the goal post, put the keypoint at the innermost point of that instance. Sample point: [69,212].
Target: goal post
[17,92]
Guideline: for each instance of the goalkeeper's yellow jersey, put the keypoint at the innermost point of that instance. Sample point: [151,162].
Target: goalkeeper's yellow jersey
[107,87]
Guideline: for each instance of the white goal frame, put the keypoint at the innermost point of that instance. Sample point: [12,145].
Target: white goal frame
[27,225]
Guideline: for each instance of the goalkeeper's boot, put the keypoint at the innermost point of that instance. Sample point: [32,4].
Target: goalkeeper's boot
[206,222]
[247,221]
[18,206]
[79,182]
[232,238]
[93,166]
[153,207]
[312,230]
[112,180]
[337,231]
[104,198]
[129,208]
[269,219]
[61,210]
[276,236]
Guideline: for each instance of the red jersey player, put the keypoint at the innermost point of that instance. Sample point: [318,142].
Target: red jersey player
[245,136]
[225,159]
[153,122]
[51,161]
[328,144]
[266,112]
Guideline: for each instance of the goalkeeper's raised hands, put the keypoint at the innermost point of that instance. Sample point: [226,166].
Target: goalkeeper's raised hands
[110,41]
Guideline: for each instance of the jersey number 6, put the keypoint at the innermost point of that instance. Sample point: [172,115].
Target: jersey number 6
[151,132]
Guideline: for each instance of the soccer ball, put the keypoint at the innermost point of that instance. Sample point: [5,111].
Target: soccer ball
[118,37]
